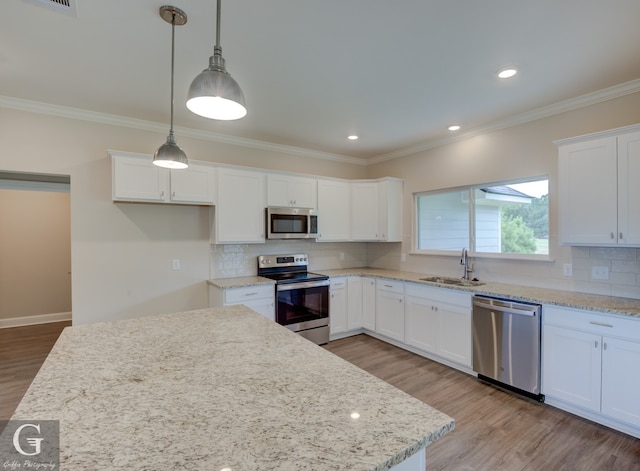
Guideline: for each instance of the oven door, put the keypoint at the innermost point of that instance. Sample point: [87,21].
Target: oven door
[302,306]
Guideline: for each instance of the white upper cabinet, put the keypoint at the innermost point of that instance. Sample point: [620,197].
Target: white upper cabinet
[136,179]
[599,200]
[292,191]
[390,201]
[365,211]
[195,184]
[334,213]
[239,213]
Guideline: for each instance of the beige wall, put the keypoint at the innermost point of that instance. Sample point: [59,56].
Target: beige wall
[521,151]
[121,253]
[35,253]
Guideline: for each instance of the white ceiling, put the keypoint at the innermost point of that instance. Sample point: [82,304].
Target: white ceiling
[396,73]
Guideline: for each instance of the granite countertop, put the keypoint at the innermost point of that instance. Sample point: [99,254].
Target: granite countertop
[219,388]
[590,302]
[241,282]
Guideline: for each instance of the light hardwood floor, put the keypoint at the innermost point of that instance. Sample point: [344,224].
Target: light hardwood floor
[22,352]
[495,430]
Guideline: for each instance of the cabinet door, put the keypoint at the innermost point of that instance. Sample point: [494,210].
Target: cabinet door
[628,189]
[333,210]
[239,212]
[354,303]
[263,306]
[390,197]
[422,324]
[588,192]
[365,211]
[286,190]
[137,179]
[390,314]
[455,333]
[338,306]
[194,184]
[571,365]
[620,380]
[369,304]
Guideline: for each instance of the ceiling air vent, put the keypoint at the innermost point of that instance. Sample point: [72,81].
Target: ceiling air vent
[68,7]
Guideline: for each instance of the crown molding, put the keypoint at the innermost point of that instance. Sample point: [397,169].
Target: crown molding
[588,99]
[143,125]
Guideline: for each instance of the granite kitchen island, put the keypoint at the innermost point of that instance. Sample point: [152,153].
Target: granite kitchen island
[221,389]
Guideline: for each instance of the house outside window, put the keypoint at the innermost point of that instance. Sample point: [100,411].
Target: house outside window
[509,219]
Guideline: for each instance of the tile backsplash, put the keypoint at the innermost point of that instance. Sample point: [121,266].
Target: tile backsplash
[228,261]
[621,264]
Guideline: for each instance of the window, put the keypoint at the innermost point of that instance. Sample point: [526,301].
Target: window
[505,219]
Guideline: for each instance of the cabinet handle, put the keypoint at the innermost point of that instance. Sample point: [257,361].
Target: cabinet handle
[173,194]
[621,236]
[604,345]
[399,300]
[596,344]
[612,235]
[601,324]
[250,294]
[162,193]
[388,286]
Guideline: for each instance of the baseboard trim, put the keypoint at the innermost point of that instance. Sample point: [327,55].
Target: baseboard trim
[33,320]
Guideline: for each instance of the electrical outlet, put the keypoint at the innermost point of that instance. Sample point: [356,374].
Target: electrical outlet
[600,273]
[567,269]
[175,264]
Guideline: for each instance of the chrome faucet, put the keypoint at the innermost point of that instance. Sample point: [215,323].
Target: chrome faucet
[468,268]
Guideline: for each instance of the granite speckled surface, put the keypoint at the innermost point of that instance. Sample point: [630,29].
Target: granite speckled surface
[219,388]
[241,282]
[590,302]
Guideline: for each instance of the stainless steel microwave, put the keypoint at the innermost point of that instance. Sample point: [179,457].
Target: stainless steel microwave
[291,223]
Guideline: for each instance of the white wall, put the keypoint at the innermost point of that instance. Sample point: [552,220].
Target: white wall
[525,150]
[121,253]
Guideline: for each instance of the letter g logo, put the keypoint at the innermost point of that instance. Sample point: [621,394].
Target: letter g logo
[34,442]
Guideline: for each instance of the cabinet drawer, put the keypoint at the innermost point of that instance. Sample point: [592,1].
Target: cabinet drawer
[338,283]
[392,286]
[242,295]
[442,295]
[593,322]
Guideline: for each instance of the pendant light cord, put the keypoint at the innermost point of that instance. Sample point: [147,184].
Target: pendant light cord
[218,25]
[173,35]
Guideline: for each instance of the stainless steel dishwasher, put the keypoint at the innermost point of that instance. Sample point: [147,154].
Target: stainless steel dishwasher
[506,344]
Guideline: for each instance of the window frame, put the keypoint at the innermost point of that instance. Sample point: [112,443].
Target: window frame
[470,190]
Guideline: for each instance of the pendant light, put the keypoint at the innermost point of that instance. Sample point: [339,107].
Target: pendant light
[214,94]
[169,154]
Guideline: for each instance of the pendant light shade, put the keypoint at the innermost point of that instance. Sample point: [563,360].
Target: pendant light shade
[214,94]
[169,154]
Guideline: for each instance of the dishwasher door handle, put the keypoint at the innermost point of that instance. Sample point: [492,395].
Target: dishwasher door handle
[521,310]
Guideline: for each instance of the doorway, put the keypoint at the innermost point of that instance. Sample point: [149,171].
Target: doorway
[35,249]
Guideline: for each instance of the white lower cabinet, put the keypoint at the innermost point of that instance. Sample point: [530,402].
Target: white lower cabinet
[345,306]
[588,366]
[369,303]
[390,309]
[438,321]
[338,306]
[259,298]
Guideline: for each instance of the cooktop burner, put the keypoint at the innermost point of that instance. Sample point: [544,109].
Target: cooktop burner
[287,268]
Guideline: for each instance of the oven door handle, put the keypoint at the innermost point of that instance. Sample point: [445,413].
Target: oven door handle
[303,285]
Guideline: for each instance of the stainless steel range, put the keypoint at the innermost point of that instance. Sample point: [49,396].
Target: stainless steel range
[302,298]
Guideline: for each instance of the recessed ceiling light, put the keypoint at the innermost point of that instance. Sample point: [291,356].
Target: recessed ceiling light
[507,72]
[352,137]
[455,127]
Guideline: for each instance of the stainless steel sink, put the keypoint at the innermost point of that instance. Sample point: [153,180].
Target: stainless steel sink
[447,280]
